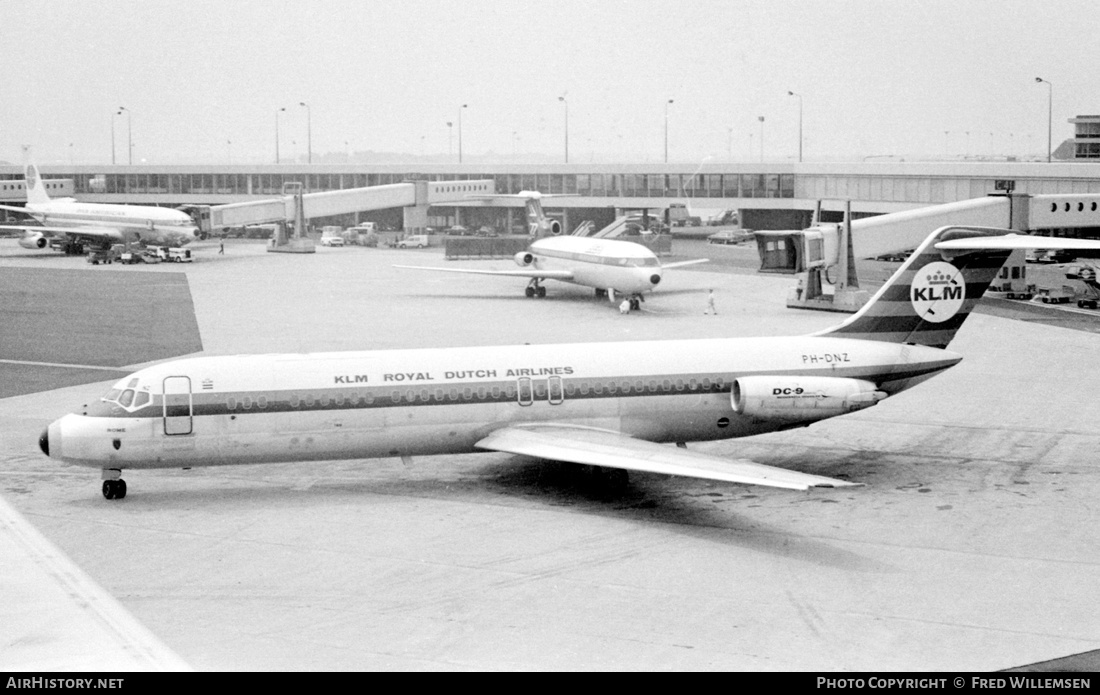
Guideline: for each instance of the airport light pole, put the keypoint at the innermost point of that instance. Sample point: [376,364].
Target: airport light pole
[450,140]
[1050,112]
[460,133]
[946,148]
[666,129]
[793,94]
[562,100]
[309,132]
[113,137]
[761,137]
[277,111]
[129,136]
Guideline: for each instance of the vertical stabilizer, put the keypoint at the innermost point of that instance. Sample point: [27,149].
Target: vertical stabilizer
[36,188]
[538,224]
[535,216]
[930,296]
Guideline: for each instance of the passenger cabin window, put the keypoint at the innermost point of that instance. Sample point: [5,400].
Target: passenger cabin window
[556,395]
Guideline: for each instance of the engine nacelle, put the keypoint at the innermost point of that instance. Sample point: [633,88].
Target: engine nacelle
[555,227]
[801,399]
[524,258]
[34,240]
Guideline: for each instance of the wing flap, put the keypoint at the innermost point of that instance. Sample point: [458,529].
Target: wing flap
[576,444]
[531,273]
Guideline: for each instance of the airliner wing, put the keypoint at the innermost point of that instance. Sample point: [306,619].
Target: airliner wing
[680,264]
[527,273]
[598,447]
[100,234]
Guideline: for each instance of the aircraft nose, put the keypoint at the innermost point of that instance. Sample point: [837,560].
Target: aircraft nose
[44,441]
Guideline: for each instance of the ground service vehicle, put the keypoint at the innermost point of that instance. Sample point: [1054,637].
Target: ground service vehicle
[332,236]
[107,256]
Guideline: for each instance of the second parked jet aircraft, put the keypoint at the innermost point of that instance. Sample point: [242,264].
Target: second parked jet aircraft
[610,266]
[96,224]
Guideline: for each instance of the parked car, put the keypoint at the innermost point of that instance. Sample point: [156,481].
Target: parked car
[729,236]
[487,231]
[417,240]
[457,230]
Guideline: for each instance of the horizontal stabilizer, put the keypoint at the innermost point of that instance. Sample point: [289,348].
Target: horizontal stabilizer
[585,445]
[525,273]
[681,264]
[1017,241]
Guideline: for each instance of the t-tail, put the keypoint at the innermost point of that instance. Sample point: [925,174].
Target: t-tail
[538,224]
[930,296]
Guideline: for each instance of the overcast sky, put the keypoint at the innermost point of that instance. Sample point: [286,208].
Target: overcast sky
[203,80]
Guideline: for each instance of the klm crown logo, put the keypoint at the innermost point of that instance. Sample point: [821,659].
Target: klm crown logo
[939,278]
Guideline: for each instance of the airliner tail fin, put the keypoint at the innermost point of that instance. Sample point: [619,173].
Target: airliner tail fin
[930,296]
[36,188]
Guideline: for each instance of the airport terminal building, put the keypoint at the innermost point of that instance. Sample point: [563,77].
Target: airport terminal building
[769,195]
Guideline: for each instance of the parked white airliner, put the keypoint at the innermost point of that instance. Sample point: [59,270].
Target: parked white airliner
[610,266]
[96,224]
[602,404]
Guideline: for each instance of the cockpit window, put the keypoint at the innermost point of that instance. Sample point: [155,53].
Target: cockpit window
[126,398]
[141,399]
[112,395]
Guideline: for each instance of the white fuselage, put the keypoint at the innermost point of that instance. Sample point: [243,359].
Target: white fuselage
[147,223]
[623,266]
[304,407]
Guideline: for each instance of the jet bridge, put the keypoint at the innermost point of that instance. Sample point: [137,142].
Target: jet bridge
[415,196]
[823,255]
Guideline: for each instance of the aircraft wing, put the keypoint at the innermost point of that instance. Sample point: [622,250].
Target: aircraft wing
[680,264]
[528,273]
[15,208]
[1016,241]
[576,444]
[100,234]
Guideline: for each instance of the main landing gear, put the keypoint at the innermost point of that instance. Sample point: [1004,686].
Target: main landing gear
[535,288]
[114,487]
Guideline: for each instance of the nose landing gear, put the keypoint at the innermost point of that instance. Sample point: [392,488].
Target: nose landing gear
[114,487]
